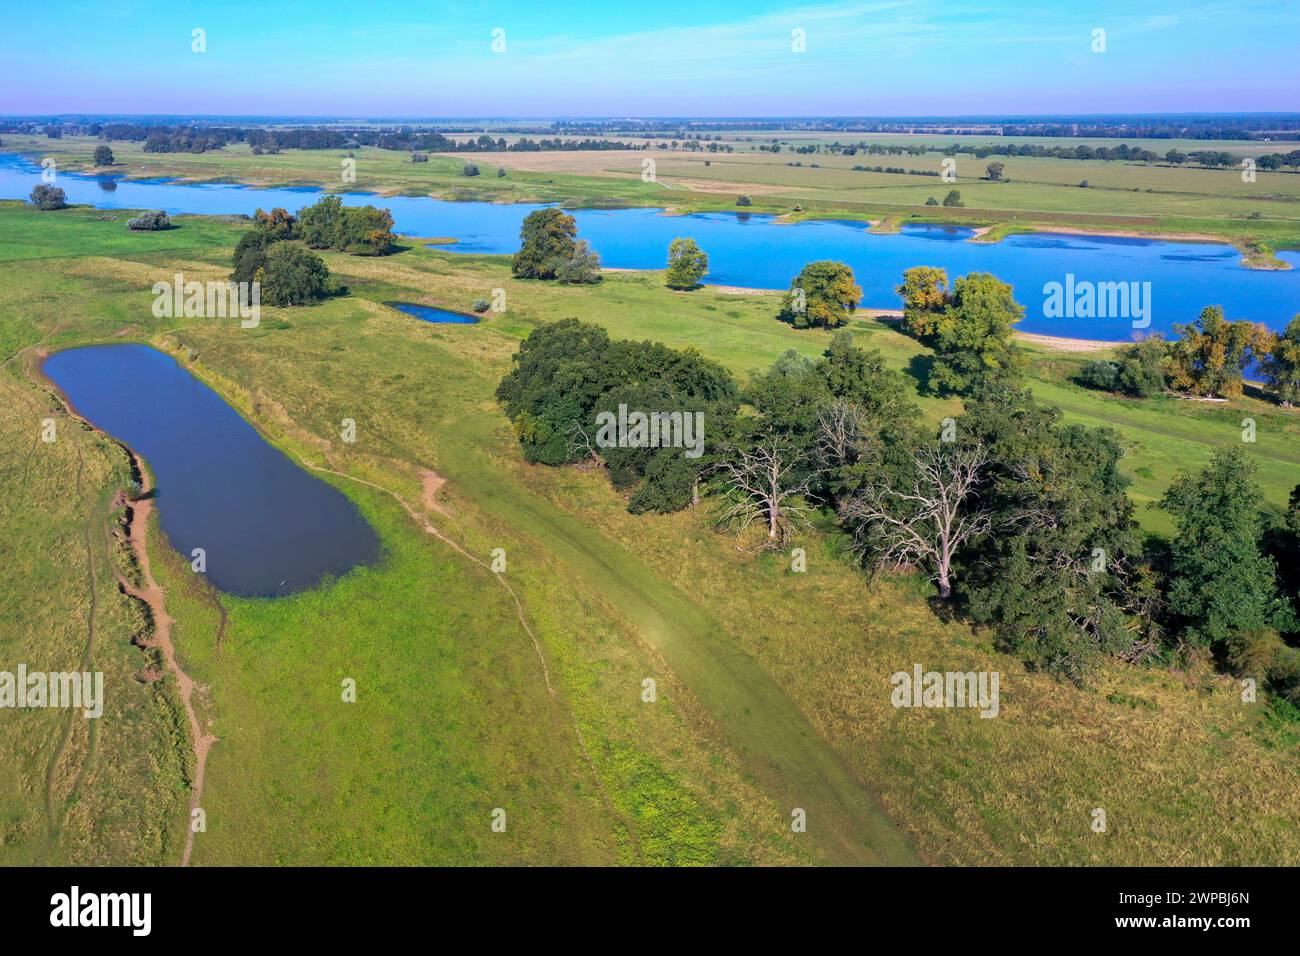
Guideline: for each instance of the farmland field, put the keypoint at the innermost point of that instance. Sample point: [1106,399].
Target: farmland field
[1120,195]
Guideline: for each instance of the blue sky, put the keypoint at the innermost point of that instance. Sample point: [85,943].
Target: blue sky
[656,58]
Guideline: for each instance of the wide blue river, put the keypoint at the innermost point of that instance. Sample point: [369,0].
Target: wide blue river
[1175,279]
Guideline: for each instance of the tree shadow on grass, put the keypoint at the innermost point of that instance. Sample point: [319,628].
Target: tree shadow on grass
[920,369]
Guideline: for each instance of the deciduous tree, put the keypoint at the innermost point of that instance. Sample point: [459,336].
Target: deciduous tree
[973,340]
[925,295]
[548,239]
[1282,365]
[1210,354]
[823,295]
[687,264]
[1220,583]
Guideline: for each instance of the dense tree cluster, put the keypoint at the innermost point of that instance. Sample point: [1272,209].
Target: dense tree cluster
[1023,521]
[271,255]
[183,140]
[567,373]
[357,230]
[1207,358]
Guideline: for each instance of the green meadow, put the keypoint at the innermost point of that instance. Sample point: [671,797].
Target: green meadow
[771,687]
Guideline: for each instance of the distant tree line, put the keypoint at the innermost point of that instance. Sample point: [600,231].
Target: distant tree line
[190,139]
[1246,126]
[200,139]
[1208,158]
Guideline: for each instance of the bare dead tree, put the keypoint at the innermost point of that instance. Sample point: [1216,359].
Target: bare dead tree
[761,487]
[930,520]
[841,432]
[580,444]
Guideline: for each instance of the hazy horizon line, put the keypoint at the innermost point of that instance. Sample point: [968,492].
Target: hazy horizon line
[894,117]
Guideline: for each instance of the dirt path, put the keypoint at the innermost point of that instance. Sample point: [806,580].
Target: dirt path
[152,595]
[433,482]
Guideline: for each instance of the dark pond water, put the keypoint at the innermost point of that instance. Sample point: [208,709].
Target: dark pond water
[428,313]
[752,250]
[268,527]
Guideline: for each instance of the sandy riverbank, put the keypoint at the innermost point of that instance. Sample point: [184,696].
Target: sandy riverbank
[1055,343]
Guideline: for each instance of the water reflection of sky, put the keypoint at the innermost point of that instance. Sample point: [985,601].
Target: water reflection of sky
[752,250]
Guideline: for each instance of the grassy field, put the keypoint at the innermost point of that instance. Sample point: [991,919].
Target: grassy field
[1120,196]
[773,687]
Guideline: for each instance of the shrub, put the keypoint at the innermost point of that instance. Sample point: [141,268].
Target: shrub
[953,198]
[1142,368]
[582,268]
[103,156]
[501,171]
[1101,375]
[932,201]
[49,197]
[149,222]
[481,305]
[419,157]
[744,201]
[1263,655]
[470,169]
